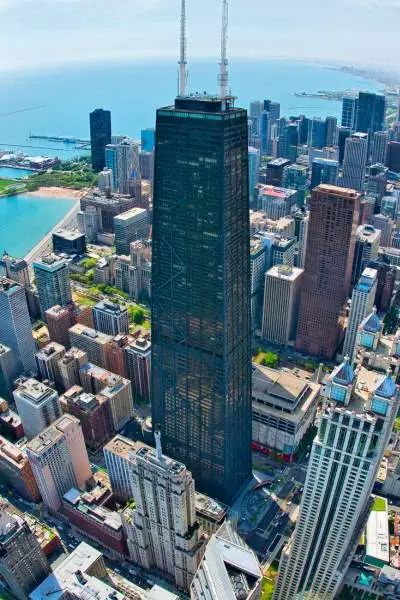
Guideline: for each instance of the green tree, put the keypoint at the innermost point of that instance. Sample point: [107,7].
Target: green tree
[270,360]
[138,316]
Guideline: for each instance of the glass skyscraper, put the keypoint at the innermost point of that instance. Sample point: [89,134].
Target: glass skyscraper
[201,344]
[100,136]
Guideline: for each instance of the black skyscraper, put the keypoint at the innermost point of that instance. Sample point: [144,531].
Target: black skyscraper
[201,346]
[100,136]
[370,112]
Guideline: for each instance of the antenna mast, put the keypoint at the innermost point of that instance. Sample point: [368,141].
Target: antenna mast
[182,79]
[223,72]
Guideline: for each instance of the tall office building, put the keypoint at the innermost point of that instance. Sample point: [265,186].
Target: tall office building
[228,570]
[317,133]
[355,161]
[301,222]
[110,318]
[379,147]
[354,429]
[362,302]
[201,291]
[129,227]
[324,170]
[393,156]
[330,250]
[47,360]
[281,304]
[52,281]
[100,136]
[38,406]
[385,225]
[343,134]
[59,460]
[331,133]
[295,178]
[254,166]
[265,132]
[366,249]
[15,325]
[371,112]
[161,529]
[349,112]
[148,139]
[128,168]
[138,365]
[256,108]
[23,564]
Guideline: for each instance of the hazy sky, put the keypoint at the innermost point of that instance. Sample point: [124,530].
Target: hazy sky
[45,32]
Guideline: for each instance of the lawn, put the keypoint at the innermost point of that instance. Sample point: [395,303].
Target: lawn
[85,300]
[268,583]
[5,183]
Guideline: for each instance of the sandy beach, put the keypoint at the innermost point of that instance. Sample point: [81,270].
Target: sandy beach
[57,192]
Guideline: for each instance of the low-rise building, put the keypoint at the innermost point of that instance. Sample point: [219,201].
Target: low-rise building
[284,407]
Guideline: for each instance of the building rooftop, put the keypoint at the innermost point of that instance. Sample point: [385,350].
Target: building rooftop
[8,286]
[33,390]
[141,345]
[109,307]
[285,272]
[12,454]
[89,503]
[70,235]
[334,190]
[57,310]
[210,508]
[9,524]
[130,214]
[75,395]
[50,262]
[51,435]
[278,162]
[48,351]
[122,446]
[275,192]
[276,391]
[377,534]
[91,334]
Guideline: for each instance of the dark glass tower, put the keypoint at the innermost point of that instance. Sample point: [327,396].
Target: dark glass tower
[201,345]
[100,136]
[371,112]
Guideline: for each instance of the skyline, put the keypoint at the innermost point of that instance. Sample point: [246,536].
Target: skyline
[148,30]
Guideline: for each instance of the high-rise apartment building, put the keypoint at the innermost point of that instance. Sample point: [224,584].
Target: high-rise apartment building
[354,428]
[52,281]
[386,226]
[129,227]
[281,304]
[70,365]
[371,112]
[228,570]
[295,178]
[47,360]
[148,139]
[201,291]
[138,366]
[161,529]
[366,249]
[59,320]
[15,269]
[107,206]
[301,222]
[343,134]
[275,202]
[15,325]
[88,222]
[23,564]
[362,302]
[349,112]
[110,318]
[100,136]
[355,161]
[330,250]
[16,471]
[94,343]
[38,406]
[59,460]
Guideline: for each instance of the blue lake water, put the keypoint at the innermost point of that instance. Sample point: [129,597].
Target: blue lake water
[25,220]
[59,101]
[11,173]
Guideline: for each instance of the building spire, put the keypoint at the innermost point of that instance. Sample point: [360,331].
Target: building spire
[223,77]
[182,77]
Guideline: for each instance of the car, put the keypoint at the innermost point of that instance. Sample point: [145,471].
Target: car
[71,546]
[289,503]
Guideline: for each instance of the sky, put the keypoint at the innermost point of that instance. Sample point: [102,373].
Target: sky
[40,33]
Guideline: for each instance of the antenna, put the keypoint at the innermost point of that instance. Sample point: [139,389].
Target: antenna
[182,78]
[223,72]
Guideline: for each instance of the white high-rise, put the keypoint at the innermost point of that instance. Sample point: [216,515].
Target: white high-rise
[160,525]
[362,302]
[354,429]
[38,406]
[355,161]
[15,325]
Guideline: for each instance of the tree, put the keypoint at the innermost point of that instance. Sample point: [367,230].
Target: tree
[138,316]
[270,360]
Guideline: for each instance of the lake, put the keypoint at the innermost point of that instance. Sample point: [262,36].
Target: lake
[25,220]
[12,173]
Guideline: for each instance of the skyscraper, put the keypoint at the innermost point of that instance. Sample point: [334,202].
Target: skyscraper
[318,133]
[38,406]
[354,429]
[366,249]
[23,564]
[331,132]
[100,136]
[349,112]
[355,161]
[379,147]
[330,249]
[371,111]
[201,350]
[110,318]
[324,170]
[59,460]
[52,281]
[343,134]
[362,302]
[15,325]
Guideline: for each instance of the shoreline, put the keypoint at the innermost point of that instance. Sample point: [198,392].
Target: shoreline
[68,220]
[58,192]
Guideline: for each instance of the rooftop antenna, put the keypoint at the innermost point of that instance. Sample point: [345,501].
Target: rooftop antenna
[182,78]
[223,71]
